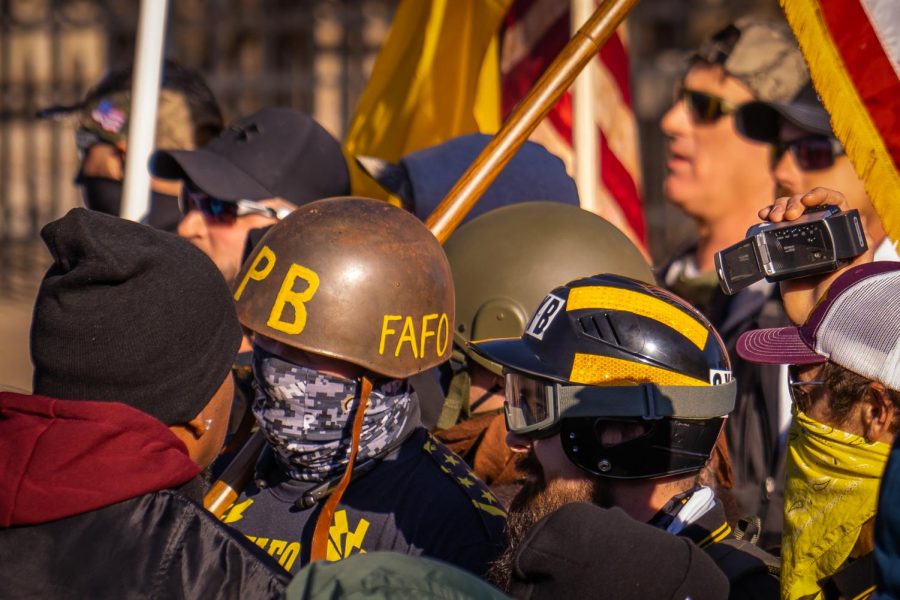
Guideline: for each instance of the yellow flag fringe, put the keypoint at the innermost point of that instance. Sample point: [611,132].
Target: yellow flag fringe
[849,118]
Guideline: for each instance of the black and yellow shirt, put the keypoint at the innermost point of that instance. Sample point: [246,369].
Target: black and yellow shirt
[421,499]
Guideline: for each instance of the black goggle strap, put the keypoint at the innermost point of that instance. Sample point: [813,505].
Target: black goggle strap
[487,395]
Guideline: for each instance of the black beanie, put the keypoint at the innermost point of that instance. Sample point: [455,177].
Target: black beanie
[130,314]
[584,551]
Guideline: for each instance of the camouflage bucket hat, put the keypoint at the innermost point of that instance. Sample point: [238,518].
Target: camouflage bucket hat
[761,54]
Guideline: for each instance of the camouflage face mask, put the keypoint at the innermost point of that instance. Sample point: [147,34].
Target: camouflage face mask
[307,416]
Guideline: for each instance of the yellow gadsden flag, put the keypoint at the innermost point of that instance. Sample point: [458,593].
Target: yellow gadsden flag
[437,77]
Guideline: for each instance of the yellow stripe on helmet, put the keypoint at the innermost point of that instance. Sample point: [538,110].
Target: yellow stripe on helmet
[591,369]
[611,298]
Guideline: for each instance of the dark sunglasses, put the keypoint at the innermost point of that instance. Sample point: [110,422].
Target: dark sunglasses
[705,108]
[222,211]
[812,153]
[797,388]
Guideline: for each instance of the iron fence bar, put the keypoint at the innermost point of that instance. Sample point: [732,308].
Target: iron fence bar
[5,119]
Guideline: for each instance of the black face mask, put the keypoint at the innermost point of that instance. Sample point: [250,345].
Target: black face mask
[164,212]
[101,194]
[105,195]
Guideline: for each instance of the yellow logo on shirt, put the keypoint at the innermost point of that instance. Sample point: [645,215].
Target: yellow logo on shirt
[285,552]
[236,512]
[341,541]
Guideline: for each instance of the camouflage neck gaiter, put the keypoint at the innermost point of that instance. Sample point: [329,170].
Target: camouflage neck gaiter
[307,416]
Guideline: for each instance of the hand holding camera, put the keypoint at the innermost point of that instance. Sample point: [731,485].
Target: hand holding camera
[798,241]
[800,295]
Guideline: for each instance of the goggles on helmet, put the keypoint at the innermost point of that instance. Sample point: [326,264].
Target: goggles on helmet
[535,406]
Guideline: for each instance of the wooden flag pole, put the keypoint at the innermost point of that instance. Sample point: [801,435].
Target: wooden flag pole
[228,487]
[526,117]
[585,134]
[453,208]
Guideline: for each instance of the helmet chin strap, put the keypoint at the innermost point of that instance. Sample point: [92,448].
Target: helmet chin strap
[321,539]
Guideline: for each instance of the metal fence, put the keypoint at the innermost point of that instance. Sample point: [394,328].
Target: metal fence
[314,55]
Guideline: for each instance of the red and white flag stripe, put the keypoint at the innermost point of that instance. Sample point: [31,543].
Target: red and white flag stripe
[534,34]
[853,51]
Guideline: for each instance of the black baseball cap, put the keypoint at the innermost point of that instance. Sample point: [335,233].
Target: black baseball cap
[275,152]
[761,121]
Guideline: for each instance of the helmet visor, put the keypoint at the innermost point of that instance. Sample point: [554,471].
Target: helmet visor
[530,404]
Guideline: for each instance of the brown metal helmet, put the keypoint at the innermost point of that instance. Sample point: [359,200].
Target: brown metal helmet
[504,261]
[355,279]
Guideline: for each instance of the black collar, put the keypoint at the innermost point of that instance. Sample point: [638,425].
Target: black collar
[710,528]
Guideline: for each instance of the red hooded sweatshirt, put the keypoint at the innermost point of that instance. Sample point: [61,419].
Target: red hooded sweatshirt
[60,458]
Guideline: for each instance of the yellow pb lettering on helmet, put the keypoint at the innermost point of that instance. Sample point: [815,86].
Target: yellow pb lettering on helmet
[287,295]
[255,272]
[413,340]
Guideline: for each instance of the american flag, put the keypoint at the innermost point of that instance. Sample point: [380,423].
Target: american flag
[853,51]
[535,31]
[109,117]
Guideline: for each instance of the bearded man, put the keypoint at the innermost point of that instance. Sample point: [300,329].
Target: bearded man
[616,394]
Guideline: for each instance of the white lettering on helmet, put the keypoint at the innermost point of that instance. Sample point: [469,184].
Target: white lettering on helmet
[719,377]
[546,312]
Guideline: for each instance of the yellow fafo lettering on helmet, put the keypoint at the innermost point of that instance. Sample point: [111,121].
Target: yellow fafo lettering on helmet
[286,295]
[406,335]
[611,298]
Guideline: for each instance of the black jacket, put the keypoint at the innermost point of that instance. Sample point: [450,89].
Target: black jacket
[159,545]
[421,500]
[750,570]
[752,429]
[87,510]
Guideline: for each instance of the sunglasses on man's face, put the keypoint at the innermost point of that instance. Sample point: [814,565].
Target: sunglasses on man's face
[222,211]
[705,108]
[811,153]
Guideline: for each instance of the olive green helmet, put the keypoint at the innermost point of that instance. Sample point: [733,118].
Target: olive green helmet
[354,279]
[504,261]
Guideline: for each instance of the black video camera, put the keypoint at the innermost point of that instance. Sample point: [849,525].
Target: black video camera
[821,241]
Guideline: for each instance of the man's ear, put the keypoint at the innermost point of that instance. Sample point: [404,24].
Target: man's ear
[190,434]
[104,160]
[878,413]
[196,427]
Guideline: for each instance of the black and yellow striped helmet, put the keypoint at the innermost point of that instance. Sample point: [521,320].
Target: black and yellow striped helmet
[612,348]
[499,283]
